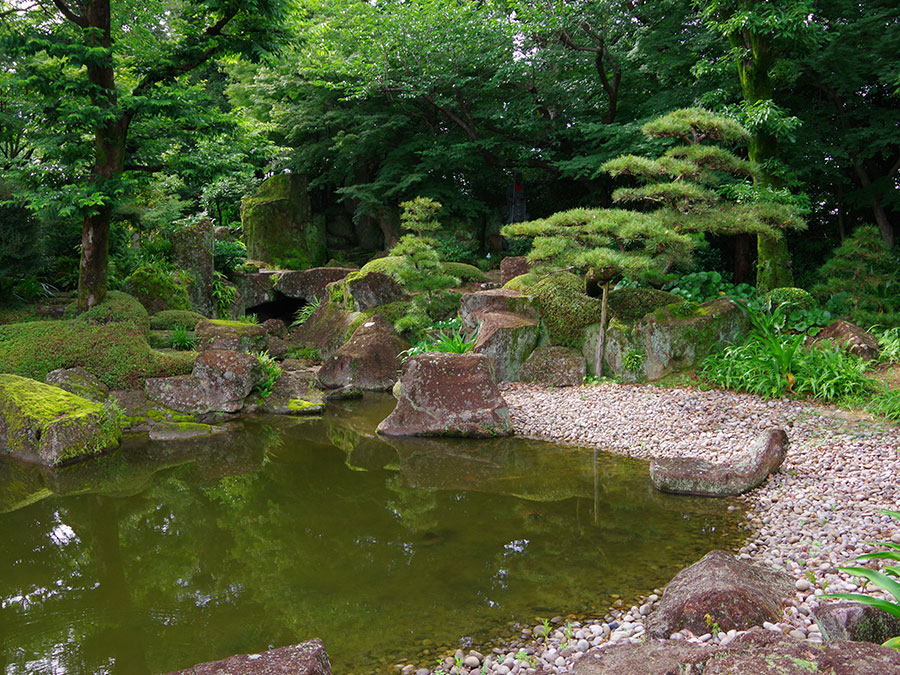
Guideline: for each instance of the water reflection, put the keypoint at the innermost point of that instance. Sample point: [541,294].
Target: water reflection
[162,556]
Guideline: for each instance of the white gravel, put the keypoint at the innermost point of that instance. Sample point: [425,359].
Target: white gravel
[811,517]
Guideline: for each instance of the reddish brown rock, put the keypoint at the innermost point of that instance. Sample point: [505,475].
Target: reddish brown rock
[696,476]
[255,288]
[368,361]
[230,335]
[512,267]
[472,305]
[654,657]
[723,589]
[309,284]
[849,337]
[554,367]
[306,658]
[448,395]
[220,382]
[855,621]
[359,292]
[325,330]
[78,381]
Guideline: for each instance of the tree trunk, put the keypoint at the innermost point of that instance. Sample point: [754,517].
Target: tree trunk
[881,217]
[601,345]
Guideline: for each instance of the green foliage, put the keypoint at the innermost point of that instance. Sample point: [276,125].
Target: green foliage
[420,267]
[633,360]
[420,215]
[565,309]
[632,304]
[118,307]
[174,318]
[20,246]
[453,341]
[884,580]
[865,269]
[229,255]
[224,294]
[888,343]
[886,403]
[307,353]
[157,288]
[181,339]
[271,371]
[301,316]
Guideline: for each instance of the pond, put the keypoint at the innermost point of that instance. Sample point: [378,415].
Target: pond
[163,555]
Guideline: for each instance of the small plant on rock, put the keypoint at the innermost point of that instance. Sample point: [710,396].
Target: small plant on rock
[271,371]
[301,316]
[181,339]
[633,360]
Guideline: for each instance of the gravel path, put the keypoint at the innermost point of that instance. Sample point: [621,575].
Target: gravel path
[808,519]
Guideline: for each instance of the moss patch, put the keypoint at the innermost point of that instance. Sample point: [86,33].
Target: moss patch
[393,312]
[175,318]
[631,304]
[565,308]
[390,264]
[159,290]
[299,405]
[117,307]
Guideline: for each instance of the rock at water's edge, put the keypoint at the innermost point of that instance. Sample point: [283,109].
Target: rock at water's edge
[306,658]
[369,360]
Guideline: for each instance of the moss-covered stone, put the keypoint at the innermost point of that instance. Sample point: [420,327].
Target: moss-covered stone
[232,335]
[117,307]
[359,291]
[171,319]
[631,304]
[390,264]
[79,382]
[51,425]
[193,247]
[158,290]
[279,227]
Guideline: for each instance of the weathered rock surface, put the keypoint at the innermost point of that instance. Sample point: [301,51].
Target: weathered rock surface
[512,267]
[734,594]
[294,393]
[45,423]
[278,223]
[508,328]
[182,431]
[448,395]
[193,247]
[849,337]
[78,381]
[759,652]
[668,342]
[230,335]
[554,367]
[255,288]
[697,476]
[855,621]
[309,284]
[325,330]
[359,292]
[307,658]
[368,361]
[220,381]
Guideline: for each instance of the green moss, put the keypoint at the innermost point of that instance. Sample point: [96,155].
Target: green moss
[632,304]
[523,283]
[158,290]
[393,312]
[30,408]
[231,324]
[391,264]
[463,271]
[565,309]
[117,307]
[299,404]
[173,318]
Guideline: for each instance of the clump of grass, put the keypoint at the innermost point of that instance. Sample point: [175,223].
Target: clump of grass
[271,371]
[181,339]
[301,316]
[452,342]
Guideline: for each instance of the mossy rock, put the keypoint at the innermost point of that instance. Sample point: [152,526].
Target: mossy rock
[393,312]
[171,319]
[117,307]
[43,422]
[790,298]
[159,290]
[389,265]
[632,304]
[231,335]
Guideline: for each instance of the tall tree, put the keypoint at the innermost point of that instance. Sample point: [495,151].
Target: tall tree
[100,67]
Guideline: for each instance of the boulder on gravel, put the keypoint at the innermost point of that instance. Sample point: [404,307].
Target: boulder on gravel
[359,291]
[306,658]
[370,360]
[44,423]
[554,367]
[723,589]
[220,382]
[448,395]
[697,476]
[850,338]
[309,284]
[78,381]
[855,621]
[230,335]
[759,652]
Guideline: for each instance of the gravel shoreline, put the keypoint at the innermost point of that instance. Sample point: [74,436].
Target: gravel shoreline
[811,517]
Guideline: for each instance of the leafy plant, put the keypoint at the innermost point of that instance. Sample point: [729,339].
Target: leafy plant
[453,342]
[228,256]
[252,319]
[306,353]
[886,403]
[633,360]
[224,294]
[301,316]
[888,343]
[885,580]
[271,371]
[181,338]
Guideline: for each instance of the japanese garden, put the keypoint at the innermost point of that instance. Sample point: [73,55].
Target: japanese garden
[449,337]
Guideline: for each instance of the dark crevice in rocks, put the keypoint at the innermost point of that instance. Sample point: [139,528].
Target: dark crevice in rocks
[282,307]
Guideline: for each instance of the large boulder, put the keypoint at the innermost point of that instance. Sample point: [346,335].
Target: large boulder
[230,335]
[697,476]
[370,360]
[254,289]
[360,291]
[78,381]
[758,652]
[723,589]
[324,331]
[850,338]
[855,621]
[512,267]
[508,328]
[673,338]
[448,395]
[44,423]
[309,284]
[278,224]
[220,382]
[193,247]
[295,393]
[554,367]
[306,658]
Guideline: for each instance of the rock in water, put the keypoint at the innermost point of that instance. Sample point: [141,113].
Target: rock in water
[448,395]
[306,658]
[368,361]
[45,423]
[720,589]
[220,382]
[695,476]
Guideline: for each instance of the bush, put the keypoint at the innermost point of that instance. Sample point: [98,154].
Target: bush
[158,289]
[228,256]
[703,286]
[117,307]
[171,319]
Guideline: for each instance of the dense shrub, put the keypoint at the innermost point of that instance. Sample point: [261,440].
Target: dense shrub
[158,289]
[229,255]
[174,318]
[117,307]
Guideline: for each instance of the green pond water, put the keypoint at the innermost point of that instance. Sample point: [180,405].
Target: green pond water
[164,555]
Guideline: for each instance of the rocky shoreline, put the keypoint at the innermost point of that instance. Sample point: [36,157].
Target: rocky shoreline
[808,519]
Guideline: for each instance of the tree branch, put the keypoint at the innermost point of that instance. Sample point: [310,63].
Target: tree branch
[67,12]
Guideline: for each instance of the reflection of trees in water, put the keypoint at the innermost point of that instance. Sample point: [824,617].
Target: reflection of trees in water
[417,507]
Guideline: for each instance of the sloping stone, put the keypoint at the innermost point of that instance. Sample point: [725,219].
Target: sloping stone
[193,248]
[512,267]
[472,305]
[45,423]
[306,658]
[654,657]
[220,382]
[255,288]
[448,395]
[734,594]
[359,291]
[697,476]
[554,367]
[78,381]
[230,335]
[309,284]
[855,621]
[294,393]
[368,361]
[325,330]
[507,340]
[849,337]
